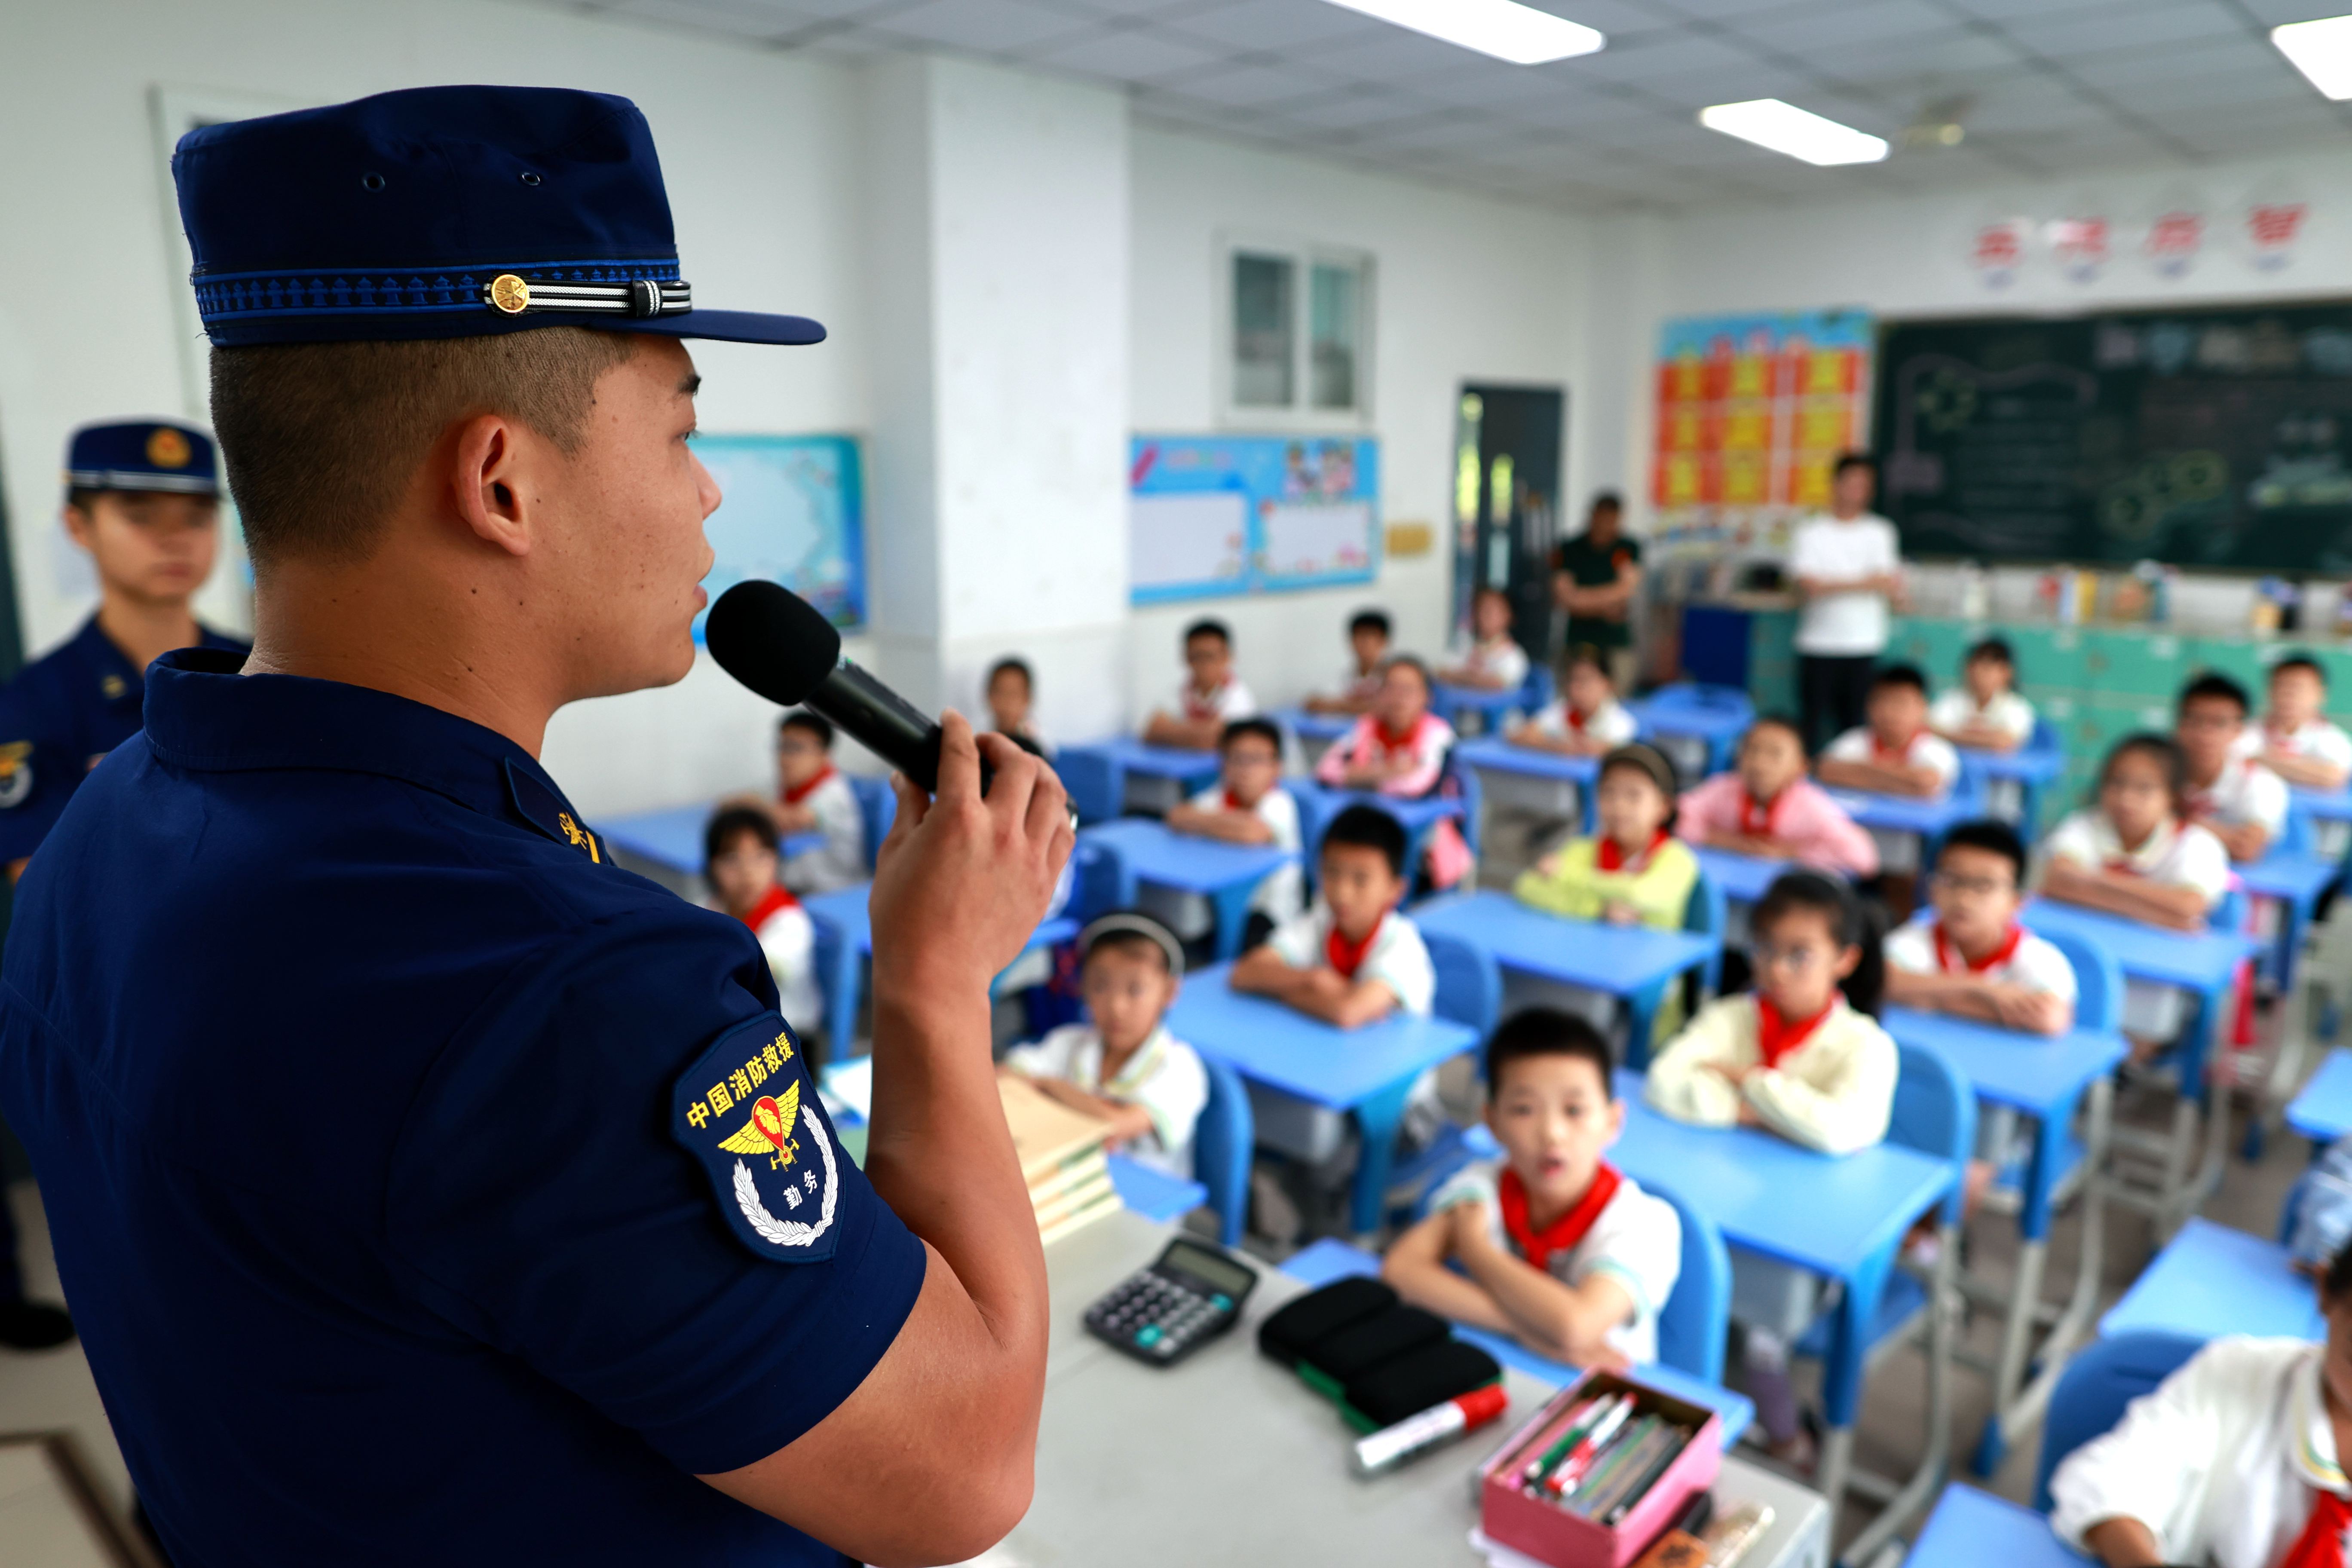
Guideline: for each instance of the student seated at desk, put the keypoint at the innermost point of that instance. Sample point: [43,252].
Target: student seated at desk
[1247,805]
[1768,807]
[1802,1058]
[1211,697]
[1585,719]
[1984,712]
[2294,739]
[813,797]
[1368,642]
[1895,753]
[2241,802]
[1967,954]
[1634,871]
[2135,854]
[1553,1245]
[2236,1460]
[1493,662]
[1123,1065]
[1400,748]
[1012,693]
[738,861]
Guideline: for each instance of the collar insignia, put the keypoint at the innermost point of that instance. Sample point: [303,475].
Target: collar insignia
[749,1112]
[552,813]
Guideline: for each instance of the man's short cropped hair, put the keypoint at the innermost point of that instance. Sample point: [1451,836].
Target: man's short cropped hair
[1547,1032]
[323,439]
[1368,827]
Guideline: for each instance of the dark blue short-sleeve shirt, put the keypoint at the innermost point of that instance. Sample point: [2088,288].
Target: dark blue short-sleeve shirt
[389,1140]
[64,711]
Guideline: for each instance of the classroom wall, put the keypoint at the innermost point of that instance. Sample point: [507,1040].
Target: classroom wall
[1468,288]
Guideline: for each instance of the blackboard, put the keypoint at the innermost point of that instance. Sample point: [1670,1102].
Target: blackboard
[2218,438]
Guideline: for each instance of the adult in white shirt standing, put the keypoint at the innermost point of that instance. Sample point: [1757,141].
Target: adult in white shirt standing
[1848,568]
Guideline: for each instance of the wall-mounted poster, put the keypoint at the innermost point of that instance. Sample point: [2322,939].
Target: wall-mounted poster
[791,511]
[1752,410]
[1210,515]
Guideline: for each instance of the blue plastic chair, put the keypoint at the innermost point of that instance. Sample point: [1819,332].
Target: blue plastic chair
[1469,983]
[2104,1377]
[1537,691]
[1463,782]
[2098,980]
[1709,914]
[878,808]
[1695,1323]
[1097,782]
[1103,882]
[1222,1141]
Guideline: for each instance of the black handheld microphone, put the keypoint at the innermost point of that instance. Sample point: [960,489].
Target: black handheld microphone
[781,646]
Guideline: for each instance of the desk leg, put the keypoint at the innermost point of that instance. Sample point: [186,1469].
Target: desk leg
[1377,1118]
[1909,1499]
[1231,904]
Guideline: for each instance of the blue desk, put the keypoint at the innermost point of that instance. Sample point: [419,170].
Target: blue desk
[845,940]
[1719,724]
[1227,875]
[1189,770]
[1632,962]
[2323,1111]
[1319,803]
[2294,880]
[1931,817]
[2211,1280]
[1321,729]
[1326,1260]
[2203,964]
[1494,754]
[1368,1071]
[1839,1217]
[2044,1077]
[1970,1528]
[1742,878]
[2324,804]
[672,837]
[1450,701]
[2031,768]
[1154,1195]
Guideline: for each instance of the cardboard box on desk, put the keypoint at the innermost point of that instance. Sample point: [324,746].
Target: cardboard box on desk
[1545,1529]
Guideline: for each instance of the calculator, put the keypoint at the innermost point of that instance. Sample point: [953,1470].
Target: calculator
[1162,1313]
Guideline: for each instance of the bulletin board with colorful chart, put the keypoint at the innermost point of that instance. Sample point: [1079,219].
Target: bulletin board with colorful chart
[1752,412]
[791,509]
[1214,515]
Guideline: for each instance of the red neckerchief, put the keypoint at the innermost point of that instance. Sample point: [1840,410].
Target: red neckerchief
[779,897]
[795,797]
[1575,721]
[1346,956]
[1610,857]
[1881,752]
[1389,741]
[1757,820]
[1776,1038]
[1945,952]
[1233,802]
[1563,1234]
[1199,707]
[2321,1545]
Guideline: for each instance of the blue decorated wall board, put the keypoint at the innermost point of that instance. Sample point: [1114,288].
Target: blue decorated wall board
[793,512]
[1214,515]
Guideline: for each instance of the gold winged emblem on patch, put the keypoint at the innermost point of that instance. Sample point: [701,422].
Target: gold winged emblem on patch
[769,1130]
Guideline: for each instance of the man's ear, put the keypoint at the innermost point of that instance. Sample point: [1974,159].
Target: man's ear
[78,524]
[488,481]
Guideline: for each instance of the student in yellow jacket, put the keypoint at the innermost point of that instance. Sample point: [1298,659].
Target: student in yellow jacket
[1634,871]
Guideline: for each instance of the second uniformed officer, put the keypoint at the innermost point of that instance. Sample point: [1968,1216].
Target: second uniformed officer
[427,1188]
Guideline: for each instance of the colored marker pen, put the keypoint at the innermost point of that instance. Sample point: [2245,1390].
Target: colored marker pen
[1578,1419]
[1438,1425]
[1580,1459]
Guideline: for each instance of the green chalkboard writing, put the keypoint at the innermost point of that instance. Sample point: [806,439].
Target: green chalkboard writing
[2208,437]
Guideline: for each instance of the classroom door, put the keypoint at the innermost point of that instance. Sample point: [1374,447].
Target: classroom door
[1507,448]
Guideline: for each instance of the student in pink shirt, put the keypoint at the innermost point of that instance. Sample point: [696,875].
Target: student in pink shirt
[1399,748]
[1768,807]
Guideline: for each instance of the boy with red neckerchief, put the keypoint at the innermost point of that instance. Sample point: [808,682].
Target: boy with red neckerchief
[1967,954]
[813,797]
[1556,1247]
[740,862]
[1802,1057]
[1247,805]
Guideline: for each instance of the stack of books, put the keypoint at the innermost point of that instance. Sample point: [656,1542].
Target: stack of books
[1061,1153]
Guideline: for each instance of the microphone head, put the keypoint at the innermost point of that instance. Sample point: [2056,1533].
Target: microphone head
[771,640]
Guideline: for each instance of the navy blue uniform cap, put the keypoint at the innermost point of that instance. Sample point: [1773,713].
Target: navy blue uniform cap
[142,454]
[441,211]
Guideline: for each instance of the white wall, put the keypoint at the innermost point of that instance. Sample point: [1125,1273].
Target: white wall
[757,148]
[1468,288]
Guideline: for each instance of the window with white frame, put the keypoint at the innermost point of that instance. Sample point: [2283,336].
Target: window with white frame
[1298,333]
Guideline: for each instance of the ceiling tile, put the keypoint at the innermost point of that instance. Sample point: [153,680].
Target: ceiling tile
[1379,52]
[989,26]
[1659,57]
[2134,25]
[1352,109]
[1258,25]
[1250,85]
[2011,10]
[1464,134]
[1910,58]
[1127,54]
[2274,13]
[1805,31]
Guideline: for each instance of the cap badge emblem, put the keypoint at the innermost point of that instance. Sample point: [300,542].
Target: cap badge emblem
[510,293]
[167,449]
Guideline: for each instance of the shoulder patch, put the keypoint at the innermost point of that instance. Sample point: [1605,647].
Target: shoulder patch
[16,774]
[747,1109]
[552,814]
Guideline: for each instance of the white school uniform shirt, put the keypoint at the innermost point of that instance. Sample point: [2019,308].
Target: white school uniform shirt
[2319,740]
[1226,703]
[1164,1077]
[1926,749]
[788,938]
[1637,1241]
[2183,856]
[2035,965]
[1843,624]
[1502,661]
[1397,957]
[2220,1462]
[1283,894]
[1610,724]
[1835,1092]
[840,861]
[2244,792]
[2008,713]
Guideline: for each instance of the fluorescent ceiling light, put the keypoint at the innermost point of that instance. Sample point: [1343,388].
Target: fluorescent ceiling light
[2321,51]
[1503,29]
[1785,127]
